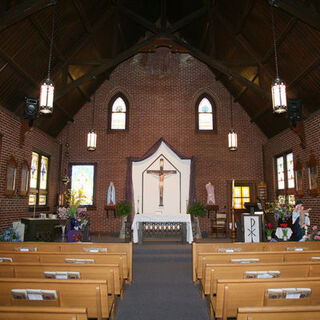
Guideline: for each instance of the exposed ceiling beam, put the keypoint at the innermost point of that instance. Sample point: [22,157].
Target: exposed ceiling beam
[297,9]
[35,84]
[121,57]
[222,68]
[89,62]
[83,16]
[244,90]
[280,39]
[21,11]
[239,62]
[138,19]
[248,6]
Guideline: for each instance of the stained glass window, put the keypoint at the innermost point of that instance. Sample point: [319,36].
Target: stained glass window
[118,114]
[241,194]
[280,173]
[38,179]
[290,170]
[82,178]
[205,115]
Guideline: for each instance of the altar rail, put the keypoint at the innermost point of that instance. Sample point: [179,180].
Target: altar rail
[162,230]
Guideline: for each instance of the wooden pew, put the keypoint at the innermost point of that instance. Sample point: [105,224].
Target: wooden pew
[117,247]
[89,294]
[60,257]
[279,313]
[40,313]
[248,247]
[109,272]
[235,293]
[214,272]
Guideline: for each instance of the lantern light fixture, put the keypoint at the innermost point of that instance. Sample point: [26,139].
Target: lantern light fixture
[232,135]
[47,86]
[92,136]
[278,87]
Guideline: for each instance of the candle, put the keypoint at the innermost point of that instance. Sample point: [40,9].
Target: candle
[232,195]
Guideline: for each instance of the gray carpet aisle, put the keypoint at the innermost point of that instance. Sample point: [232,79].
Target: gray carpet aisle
[162,285]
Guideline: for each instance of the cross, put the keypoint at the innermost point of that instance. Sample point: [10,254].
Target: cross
[161,173]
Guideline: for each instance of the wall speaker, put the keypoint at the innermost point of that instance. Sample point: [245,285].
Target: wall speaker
[31,107]
[295,110]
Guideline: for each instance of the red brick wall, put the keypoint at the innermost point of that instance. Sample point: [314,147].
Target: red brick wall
[288,140]
[13,208]
[162,90]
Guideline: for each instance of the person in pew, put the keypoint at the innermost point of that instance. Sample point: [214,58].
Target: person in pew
[300,221]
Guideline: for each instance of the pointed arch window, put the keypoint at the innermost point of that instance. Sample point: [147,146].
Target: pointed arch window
[118,113]
[205,111]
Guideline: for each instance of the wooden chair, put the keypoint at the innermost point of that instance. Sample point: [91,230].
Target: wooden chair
[219,224]
[40,313]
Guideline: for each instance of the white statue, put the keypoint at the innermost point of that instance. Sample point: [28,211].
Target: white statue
[210,191]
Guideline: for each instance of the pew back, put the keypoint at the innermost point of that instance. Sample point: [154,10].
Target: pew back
[40,313]
[90,294]
[279,313]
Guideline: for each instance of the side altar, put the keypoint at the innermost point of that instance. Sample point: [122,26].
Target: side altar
[155,225]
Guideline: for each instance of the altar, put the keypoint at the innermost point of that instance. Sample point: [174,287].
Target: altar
[165,222]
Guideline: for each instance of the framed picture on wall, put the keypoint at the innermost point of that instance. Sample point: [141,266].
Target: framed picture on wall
[299,177]
[24,178]
[10,188]
[313,175]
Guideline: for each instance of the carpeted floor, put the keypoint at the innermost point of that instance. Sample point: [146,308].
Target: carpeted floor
[162,285]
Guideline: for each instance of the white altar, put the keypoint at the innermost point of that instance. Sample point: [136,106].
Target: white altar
[161,218]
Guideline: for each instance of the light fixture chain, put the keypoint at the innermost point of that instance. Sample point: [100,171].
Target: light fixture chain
[231,114]
[274,42]
[93,107]
[52,34]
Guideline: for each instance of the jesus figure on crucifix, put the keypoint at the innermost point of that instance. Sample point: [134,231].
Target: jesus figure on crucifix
[161,173]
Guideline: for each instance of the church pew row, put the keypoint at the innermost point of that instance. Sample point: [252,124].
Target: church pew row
[235,293]
[89,294]
[40,313]
[109,272]
[72,247]
[64,257]
[247,247]
[215,272]
[279,313]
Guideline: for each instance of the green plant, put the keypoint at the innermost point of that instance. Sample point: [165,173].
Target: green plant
[197,210]
[123,208]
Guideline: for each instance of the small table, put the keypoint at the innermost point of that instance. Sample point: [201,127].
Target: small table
[39,229]
[212,208]
[111,209]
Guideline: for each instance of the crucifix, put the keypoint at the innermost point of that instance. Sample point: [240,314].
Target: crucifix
[161,173]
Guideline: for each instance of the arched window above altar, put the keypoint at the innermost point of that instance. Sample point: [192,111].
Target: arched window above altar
[118,112]
[205,111]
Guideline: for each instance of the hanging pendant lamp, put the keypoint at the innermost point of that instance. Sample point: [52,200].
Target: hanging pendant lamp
[92,136]
[232,135]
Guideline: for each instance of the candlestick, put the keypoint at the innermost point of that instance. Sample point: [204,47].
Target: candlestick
[233,229]
[138,207]
[187,202]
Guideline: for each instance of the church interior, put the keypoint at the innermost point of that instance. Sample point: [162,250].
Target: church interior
[128,127]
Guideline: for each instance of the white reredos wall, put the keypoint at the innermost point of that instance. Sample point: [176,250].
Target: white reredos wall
[146,188]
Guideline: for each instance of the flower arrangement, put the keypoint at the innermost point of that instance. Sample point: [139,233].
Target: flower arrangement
[314,234]
[284,229]
[269,230]
[9,235]
[77,237]
[280,210]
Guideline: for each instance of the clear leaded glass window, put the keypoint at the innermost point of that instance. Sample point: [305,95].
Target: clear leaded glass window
[118,114]
[205,115]
[38,195]
[82,178]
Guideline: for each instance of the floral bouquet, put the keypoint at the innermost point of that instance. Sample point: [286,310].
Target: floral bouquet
[9,235]
[284,229]
[314,234]
[280,210]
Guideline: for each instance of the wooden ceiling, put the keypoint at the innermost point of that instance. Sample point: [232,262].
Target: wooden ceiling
[232,37]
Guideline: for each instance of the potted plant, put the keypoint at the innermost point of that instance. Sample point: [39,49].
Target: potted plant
[123,210]
[197,210]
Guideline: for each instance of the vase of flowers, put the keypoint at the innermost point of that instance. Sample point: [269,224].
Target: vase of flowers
[269,231]
[284,229]
[281,210]
[9,234]
[314,234]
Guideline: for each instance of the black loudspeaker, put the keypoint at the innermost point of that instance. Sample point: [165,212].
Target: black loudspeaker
[294,110]
[31,107]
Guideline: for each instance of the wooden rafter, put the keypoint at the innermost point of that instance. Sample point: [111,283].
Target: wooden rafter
[299,10]
[103,68]
[248,6]
[21,11]
[244,90]
[222,68]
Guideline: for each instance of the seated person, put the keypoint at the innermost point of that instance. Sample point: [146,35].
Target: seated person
[300,221]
